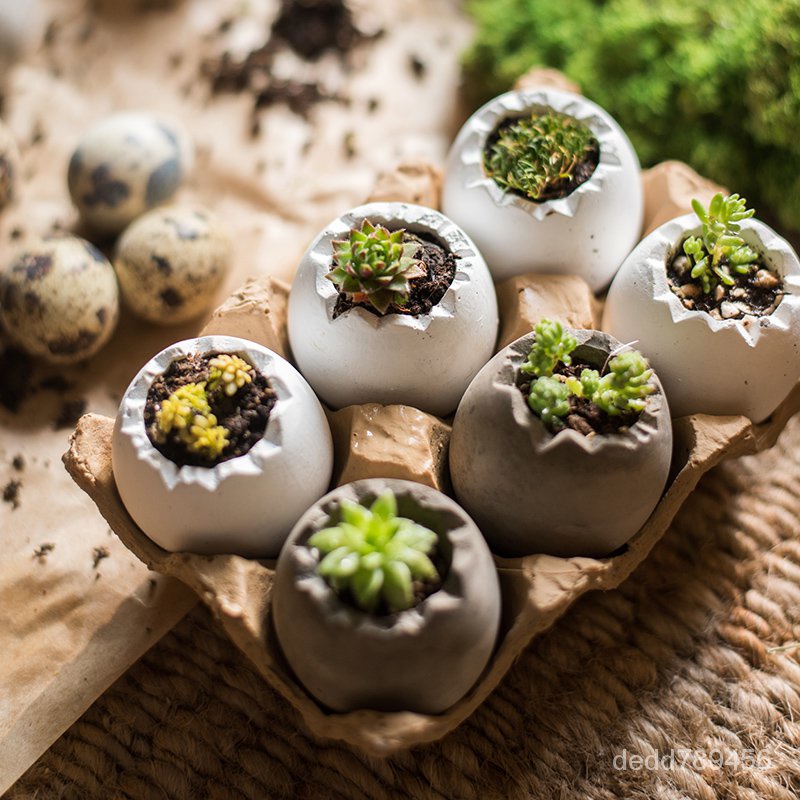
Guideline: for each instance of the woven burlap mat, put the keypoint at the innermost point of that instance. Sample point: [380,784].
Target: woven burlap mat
[683,683]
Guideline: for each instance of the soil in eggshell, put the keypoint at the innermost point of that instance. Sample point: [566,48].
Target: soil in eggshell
[244,416]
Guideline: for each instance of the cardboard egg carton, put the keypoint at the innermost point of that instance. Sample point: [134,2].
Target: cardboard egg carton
[398,441]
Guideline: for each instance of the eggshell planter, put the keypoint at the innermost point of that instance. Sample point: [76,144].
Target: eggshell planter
[424,361]
[732,366]
[245,505]
[589,232]
[531,491]
[423,659]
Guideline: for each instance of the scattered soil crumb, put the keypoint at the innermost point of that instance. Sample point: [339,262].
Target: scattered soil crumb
[418,66]
[349,144]
[17,384]
[18,463]
[40,553]
[71,411]
[16,233]
[98,554]
[11,493]
[56,383]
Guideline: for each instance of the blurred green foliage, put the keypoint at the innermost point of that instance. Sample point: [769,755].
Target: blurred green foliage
[714,84]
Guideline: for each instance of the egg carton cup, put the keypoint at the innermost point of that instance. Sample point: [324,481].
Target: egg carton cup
[536,590]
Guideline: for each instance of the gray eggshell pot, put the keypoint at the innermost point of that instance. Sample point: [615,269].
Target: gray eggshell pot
[423,659]
[565,494]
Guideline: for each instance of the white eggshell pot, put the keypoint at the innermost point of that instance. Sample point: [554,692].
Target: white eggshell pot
[566,494]
[246,505]
[424,361]
[589,232]
[423,659]
[709,366]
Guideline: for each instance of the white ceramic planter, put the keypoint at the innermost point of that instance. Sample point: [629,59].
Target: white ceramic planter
[425,361]
[565,494]
[423,659]
[246,505]
[708,366]
[589,232]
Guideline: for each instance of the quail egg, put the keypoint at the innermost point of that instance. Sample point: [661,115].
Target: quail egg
[59,299]
[170,263]
[9,165]
[124,166]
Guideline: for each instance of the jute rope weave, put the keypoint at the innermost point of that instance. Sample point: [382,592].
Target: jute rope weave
[692,666]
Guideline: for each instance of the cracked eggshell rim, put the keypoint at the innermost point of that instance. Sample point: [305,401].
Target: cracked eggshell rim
[708,366]
[423,659]
[246,505]
[589,232]
[425,361]
[565,494]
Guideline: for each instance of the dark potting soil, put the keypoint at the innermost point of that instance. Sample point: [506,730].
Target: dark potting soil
[755,294]
[426,291]
[69,414]
[245,415]
[584,416]
[581,172]
[308,27]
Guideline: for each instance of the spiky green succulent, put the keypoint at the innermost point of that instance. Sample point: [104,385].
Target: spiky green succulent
[719,248]
[551,346]
[534,154]
[374,556]
[376,265]
[623,389]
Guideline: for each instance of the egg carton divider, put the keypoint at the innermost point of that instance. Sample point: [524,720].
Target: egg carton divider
[536,590]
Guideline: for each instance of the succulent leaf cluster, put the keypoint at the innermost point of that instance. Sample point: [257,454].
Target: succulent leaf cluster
[534,153]
[720,249]
[187,413]
[376,265]
[228,373]
[623,389]
[374,556]
[552,345]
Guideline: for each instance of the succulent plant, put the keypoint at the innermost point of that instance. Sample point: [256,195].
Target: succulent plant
[621,390]
[534,154]
[720,248]
[375,265]
[228,373]
[549,399]
[374,556]
[552,346]
[625,386]
[187,413]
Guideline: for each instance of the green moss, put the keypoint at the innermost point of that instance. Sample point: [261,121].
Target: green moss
[714,84]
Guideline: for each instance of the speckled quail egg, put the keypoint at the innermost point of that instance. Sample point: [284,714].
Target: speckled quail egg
[124,166]
[59,299]
[9,165]
[170,263]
